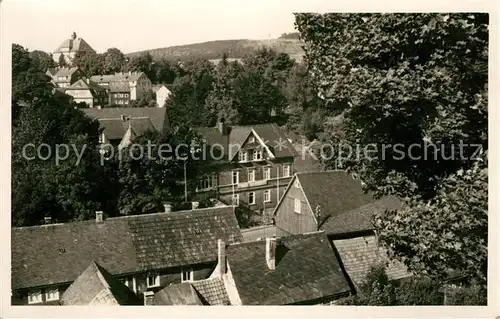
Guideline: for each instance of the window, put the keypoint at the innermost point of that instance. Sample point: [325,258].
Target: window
[296,206]
[267,195]
[251,198]
[207,183]
[236,199]
[51,294]
[186,275]
[35,297]
[236,177]
[257,154]
[296,183]
[153,281]
[286,170]
[243,156]
[267,173]
[251,175]
[251,139]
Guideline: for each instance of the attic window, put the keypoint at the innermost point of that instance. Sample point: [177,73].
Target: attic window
[153,281]
[35,297]
[251,139]
[297,183]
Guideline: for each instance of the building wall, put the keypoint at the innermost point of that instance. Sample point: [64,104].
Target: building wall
[290,221]
[161,96]
[82,96]
[120,98]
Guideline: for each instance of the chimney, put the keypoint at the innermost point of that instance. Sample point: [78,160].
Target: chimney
[149,298]
[271,253]
[48,220]
[221,126]
[195,205]
[168,207]
[98,216]
[221,256]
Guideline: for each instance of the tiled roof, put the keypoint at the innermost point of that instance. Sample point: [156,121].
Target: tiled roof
[157,115]
[95,286]
[212,291]
[359,254]
[115,129]
[122,245]
[271,133]
[336,192]
[176,295]
[359,219]
[306,269]
[117,77]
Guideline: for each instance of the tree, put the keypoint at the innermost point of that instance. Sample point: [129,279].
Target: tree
[413,80]
[187,104]
[409,79]
[256,98]
[30,84]
[70,188]
[147,99]
[43,60]
[114,61]
[62,61]
[141,63]
[221,99]
[151,176]
[90,63]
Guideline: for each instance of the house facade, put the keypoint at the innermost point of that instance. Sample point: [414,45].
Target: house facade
[85,91]
[70,47]
[137,82]
[65,77]
[252,165]
[162,94]
[145,252]
[115,122]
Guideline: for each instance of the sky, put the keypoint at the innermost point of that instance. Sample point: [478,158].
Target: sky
[134,25]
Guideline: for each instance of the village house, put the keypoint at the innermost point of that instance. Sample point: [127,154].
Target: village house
[70,47]
[65,77]
[124,86]
[88,92]
[120,123]
[251,164]
[296,270]
[162,94]
[334,202]
[146,252]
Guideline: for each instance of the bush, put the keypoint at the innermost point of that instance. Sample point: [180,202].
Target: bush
[473,295]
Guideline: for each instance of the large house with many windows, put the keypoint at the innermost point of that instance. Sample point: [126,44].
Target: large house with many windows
[251,164]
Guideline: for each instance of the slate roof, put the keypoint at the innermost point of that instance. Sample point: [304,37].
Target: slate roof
[65,71]
[359,254]
[203,292]
[271,133]
[96,286]
[177,294]
[123,245]
[119,87]
[306,269]
[157,115]
[75,45]
[117,77]
[359,219]
[81,84]
[115,129]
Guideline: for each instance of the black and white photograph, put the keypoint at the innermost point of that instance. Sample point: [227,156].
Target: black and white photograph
[240,153]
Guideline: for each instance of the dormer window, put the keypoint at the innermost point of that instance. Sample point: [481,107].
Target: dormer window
[257,155]
[243,156]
